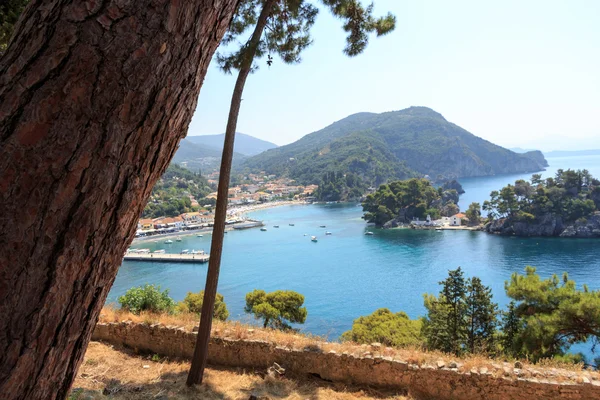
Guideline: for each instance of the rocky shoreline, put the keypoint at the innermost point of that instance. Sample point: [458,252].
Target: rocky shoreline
[549,225]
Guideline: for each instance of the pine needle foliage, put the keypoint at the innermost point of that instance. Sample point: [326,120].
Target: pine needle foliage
[550,315]
[463,318]
[277,309]
[287,32]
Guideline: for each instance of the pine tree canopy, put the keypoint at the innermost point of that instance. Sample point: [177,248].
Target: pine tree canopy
[554,314]
[287,32]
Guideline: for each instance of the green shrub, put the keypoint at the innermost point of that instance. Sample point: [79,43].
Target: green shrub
[387,328]
[570,358]
[193,303]
[147,298]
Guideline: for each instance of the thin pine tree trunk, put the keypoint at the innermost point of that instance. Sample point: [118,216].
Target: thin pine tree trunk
[214,264]
[94,98]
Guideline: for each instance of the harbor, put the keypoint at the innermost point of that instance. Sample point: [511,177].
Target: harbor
[162,257]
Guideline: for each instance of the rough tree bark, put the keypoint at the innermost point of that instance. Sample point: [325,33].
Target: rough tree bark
[94,99]
[214,264]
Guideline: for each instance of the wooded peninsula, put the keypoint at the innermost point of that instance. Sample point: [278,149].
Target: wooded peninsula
[565,205]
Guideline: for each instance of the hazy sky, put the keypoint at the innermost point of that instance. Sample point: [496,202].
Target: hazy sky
[517,73]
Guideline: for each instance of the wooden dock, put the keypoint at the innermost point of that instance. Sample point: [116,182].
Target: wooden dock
[181,258]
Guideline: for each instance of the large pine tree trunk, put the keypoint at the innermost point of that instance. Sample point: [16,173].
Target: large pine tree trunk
[94,98]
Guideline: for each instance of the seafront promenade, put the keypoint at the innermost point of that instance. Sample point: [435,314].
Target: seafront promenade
[154,257]
[233,212]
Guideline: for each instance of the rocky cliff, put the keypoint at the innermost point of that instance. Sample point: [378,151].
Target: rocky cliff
[548,225]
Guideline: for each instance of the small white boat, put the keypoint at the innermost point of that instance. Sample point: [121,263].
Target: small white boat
[439,229]
[197,252]
[168,241]
[328,233]
[263,229]
[186,251]
[178,238]
[313,238]
[198,235]
[158,252]
[323,226]
[305,234]
[369,233]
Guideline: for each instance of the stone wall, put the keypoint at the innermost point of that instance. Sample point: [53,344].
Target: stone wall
[421,382]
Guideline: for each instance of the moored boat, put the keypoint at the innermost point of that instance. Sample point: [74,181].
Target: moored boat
[263,229]
[168,241]
[328,233]
[313,238]
[178,238]
[369,233]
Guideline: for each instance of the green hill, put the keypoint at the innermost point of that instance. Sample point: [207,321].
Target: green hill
[200,157]
[398,144]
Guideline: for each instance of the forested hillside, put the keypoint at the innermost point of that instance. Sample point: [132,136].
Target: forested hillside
[171,194]
[199,157]
[397,144]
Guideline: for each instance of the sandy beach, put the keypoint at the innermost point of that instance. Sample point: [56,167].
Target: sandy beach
[240,212]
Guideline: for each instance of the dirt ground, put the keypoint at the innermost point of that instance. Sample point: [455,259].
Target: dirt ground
[110,373]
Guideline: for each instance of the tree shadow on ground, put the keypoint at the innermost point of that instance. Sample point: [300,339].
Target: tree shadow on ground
[120,373]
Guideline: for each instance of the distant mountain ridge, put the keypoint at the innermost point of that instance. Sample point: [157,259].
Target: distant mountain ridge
[520,150]
[204,152]
[397,144]
[198,157]
[561,153]
[244,144]
[572,153]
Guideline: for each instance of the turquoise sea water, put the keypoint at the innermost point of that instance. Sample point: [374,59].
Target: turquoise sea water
[347,274]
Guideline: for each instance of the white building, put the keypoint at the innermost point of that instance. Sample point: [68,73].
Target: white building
[456,219]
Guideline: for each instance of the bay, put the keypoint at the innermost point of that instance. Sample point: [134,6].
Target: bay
[347,274]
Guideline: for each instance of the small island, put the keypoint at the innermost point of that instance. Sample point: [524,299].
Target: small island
[566,206]
[413,202]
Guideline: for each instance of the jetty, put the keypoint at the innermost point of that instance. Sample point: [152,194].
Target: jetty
[180,258]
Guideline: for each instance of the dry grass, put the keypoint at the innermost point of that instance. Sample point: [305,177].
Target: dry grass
[416,355]
[117,374]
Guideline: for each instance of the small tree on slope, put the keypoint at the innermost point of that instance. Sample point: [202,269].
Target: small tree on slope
[277,308]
